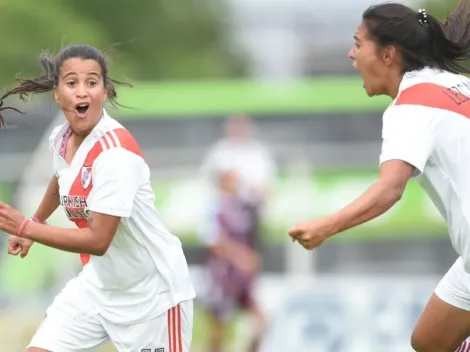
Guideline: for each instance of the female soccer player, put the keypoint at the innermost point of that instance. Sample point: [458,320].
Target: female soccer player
[416,60]
[135,288]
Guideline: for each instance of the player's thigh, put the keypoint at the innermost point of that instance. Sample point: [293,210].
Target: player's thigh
[445,321]
[72,324]
[169,332]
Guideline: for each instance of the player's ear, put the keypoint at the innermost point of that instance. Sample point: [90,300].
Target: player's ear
[389,55]
[56,94]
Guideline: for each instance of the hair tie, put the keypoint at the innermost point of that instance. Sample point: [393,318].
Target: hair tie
[423,17]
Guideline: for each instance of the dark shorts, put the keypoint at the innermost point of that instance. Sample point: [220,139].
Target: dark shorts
[225,299]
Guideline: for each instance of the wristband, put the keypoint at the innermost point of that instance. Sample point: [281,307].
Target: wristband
[35,219]
[22,227]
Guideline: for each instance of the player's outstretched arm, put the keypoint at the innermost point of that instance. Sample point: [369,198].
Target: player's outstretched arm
[50,202]
[48,205]
[94,239]
[380,197]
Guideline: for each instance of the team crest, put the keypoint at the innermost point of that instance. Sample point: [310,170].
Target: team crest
[86,176]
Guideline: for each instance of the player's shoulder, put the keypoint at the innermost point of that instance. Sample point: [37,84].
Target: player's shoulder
[113,144]
[113,135]
[429,88]
[259,146]
[220,145]
[428,75]
[408,114]
[399,118]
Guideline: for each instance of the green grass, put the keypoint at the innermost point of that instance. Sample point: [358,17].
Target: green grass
[216,98]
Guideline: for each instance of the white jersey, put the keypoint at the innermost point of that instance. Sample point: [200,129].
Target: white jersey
[251,160]
[428,126]
[144,272]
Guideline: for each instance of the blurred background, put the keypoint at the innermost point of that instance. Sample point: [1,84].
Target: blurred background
[280,67]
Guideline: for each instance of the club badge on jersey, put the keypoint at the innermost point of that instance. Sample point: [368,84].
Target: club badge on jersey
[86,176]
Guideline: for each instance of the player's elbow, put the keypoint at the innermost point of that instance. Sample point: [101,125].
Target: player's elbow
[393,194]
[101,235]
[99,248]
[100,252]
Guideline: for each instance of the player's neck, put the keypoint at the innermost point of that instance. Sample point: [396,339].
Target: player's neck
[76,140]
[394,85]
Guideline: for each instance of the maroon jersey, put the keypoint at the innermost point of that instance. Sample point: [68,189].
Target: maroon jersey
[231,287]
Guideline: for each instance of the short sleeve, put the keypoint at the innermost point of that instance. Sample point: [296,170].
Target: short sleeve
[57,163]
[408,135]
[117,176]
[269,166]
[53,136]
[210,228]
[210,165]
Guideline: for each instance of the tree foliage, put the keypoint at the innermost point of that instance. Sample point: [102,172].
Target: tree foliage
[440,8]
[158,39]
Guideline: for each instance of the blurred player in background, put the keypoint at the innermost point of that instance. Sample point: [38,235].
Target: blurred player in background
[416,60]
[250,158]
[135,288]
[232,261]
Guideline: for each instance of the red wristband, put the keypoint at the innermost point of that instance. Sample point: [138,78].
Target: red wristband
[35,219]
[22,227]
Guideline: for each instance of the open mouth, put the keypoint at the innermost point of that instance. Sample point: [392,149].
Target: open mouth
[82,108]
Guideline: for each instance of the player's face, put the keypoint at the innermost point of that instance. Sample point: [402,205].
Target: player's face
[238,129]
[368,59]
[81,94]
[229,181]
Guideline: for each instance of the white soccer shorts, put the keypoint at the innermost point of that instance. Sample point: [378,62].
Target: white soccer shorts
[454,287]
[73,324]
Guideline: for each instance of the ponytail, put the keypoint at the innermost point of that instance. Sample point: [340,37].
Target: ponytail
[44,83]
[457,26]
[420,37]
[450,40]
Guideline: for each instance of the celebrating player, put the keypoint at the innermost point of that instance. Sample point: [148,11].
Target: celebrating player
[416,60]
[135,288]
